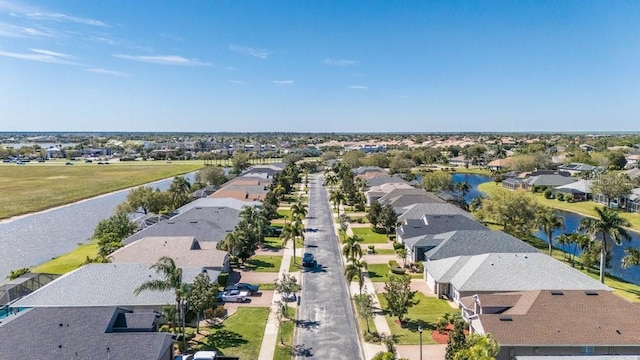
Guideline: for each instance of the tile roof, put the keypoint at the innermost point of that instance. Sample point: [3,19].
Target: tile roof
[80,333]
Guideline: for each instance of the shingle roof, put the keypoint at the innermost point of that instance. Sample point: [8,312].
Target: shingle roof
[476,242]
[200,229]
[503,272]
[394,194]
[437,224]
[101,285]
[217,202]
[575,318]
[385,179]
[549,180]
[226,218]
[186,251]
[417,211]
[78,333]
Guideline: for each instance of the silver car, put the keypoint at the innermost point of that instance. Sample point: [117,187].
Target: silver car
[233,296]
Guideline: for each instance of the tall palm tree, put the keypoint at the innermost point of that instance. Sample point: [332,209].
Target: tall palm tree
[330,180]
[337,198]
[463,188]
[356,268]
[298,210]
[548,220]
[255,217]
[292,231]
[179,190]
[231,243]
[610,227]
[172,281]
[351,248]
[631,258]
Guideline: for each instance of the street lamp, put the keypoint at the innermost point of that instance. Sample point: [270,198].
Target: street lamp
[420,331]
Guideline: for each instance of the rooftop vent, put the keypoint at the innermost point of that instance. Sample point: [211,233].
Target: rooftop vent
[591,293]
[194,221]
[506,318]
[556,292]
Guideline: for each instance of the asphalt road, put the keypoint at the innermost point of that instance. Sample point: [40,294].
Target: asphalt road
[326,327]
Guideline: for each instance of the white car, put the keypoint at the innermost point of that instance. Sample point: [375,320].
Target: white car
[233,296]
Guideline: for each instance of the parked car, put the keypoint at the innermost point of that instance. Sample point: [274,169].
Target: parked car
[252,289]
[69,163]
[233,296]
[308,260]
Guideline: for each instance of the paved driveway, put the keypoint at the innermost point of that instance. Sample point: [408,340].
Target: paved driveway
[326,323]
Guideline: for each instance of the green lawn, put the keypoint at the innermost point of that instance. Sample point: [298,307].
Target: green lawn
[423,314]
[285,332]
[239,335]
[285,213]
[273,242]
[385,252]
[34,187]
[295,266]
[380,273]
[369,237]
[69,261]
[264,263]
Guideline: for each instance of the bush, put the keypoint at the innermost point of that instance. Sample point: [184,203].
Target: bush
[372,249]
[189,333]
[419,266]
[397,270]
[441,324]
[568,199]
[548,194]
[397,246]
[560,197]
[165,328]
[372,337]
[223,278]
[393,263]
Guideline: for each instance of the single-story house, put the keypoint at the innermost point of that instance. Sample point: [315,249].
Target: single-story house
[203,230]
[417,211]
[186,251]
[576,168]
[106,285]
[630,202]
[476,242]
[511,183]
[498,164]
[376,192]
[556,323]
[579,190]
[548,180]
[84,333]
[400,198]
[460,276]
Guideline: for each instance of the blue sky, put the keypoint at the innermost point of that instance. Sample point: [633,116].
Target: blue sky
[319,66]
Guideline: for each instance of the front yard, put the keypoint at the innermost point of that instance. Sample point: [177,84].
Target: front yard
[369,237]
[424,314]
[264,263]
[381,272]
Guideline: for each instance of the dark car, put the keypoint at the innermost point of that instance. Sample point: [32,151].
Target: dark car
[252,289]
[308,260]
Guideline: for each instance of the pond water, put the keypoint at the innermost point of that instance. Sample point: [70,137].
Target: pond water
[572,221]
[36,238]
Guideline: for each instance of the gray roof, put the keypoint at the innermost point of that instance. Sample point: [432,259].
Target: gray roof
[226,218]
[393,196]
[549,180]
[502,272]
[270,169]
[424,241]
[82,333]
[202,230]
[102,285]
[580,186]
[385,179]
[365,169]
[577,167]
[476,242]
[217,202]
[437,224]
[417,211]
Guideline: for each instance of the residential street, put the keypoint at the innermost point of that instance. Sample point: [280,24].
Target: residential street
[326,324]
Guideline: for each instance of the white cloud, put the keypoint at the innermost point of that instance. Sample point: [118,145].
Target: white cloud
[238,82]
[283,82]
[107,72]
[38,32]
[256,53]
[40,55]
[163,60]
[358,87]
[63,18]
[339,62]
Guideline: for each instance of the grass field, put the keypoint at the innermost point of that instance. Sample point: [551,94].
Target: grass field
[424,314]
[35,187]
[239,335]
[69,261]
[264,263]
[369,237]
[285,332]
[380,273]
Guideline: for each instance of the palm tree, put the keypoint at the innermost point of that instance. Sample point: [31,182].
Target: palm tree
[611,227]
[337,198]
[330,180]
[292,231]
[463,188]
[351,249]
[179,190]
[172,281]
[231,243]
[632,258]
[255,217]
[356,268]
[298,210]
[547,221]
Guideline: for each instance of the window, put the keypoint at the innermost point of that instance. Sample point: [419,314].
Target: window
[588,350]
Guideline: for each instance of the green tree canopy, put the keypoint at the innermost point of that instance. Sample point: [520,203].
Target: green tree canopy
[437,181]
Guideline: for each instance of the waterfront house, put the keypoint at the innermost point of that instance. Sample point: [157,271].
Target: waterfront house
[575,323]
[417,211]
[203,230]
[84,333]
[579,190]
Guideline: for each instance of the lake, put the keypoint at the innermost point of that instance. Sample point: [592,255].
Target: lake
[572,221]
[36,238]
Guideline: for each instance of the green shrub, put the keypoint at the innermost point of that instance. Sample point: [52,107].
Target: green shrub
[441,324]
[223,278]
[165,328]
[397,270]
[560,197]
[189,333]
[397,246]
[548,194]
[568,199]
[393,263]
[372,249]
[372,337]
[419,266]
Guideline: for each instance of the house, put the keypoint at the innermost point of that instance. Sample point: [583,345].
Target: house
[245,188]
[224,218]
[498,164]
[548,180]
[576,168]
[400,198]
[476,242]
[105,285]
[552,323]
[376,192]
[460,276]
[84,333]
[380,179]
[417,211]
[203,230]
[511,183]
[217,202]
[579,190]
[186,251]
[630,202]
